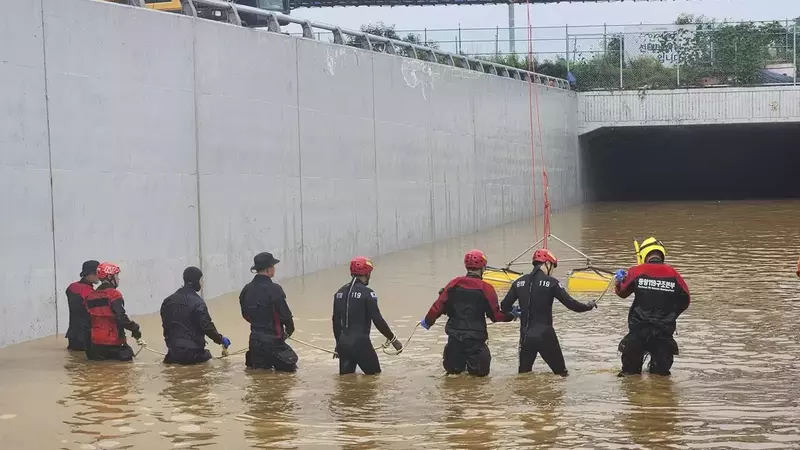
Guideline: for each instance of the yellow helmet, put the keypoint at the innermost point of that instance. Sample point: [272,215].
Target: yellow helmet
[648,246]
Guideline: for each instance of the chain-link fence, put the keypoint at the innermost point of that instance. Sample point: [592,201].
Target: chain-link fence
[639,56]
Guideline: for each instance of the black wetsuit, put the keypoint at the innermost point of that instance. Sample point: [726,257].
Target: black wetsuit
[79,323]
[264,307]
[186,322]
[660,297]
[353,317]
[467,301]
[535,292]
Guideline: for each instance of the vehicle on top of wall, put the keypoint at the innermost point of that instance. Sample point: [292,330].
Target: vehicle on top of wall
[206,12]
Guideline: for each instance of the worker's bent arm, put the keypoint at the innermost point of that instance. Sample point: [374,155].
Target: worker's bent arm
[377,318]
[563,296]
[625,287]
[494,314]
[118,307]
[243,304]
[337,322]
[684,298]
[285,314]
[508,302]
[437,309]
[203,318]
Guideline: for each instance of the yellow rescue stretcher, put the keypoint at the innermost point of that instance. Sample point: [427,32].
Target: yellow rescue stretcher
[587,279]
[500,278]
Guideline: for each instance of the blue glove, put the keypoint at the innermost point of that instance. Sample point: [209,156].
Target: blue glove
[424,324]
[516,312]
[225,342]
[620,274]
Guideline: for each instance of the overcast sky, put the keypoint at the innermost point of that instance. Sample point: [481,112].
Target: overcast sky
[548,42]
[554,14]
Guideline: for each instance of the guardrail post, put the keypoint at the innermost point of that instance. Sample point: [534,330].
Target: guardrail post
[272,23]
[621,51]
[308,33]
[390,48]
[433,55]
[188,8]
[366,43]
[233,16]
[337,36]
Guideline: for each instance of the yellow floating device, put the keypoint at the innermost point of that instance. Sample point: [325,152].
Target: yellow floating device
[500,278]
[588,279]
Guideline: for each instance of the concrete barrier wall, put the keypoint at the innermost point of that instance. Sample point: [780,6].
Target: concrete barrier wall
[203,143]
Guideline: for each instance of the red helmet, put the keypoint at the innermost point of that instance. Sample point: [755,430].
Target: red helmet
[107,271]
[544,255]
[361,266]
[474,259]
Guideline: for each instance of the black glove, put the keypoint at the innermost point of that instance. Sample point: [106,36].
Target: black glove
[592,304]
[397,345]
[442,290]
[137,334]
[335,356]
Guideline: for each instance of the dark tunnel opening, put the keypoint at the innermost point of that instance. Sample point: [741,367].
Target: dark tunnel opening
[703,162]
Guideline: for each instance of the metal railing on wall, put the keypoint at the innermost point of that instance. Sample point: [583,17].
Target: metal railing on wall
[368,41]
[640,56]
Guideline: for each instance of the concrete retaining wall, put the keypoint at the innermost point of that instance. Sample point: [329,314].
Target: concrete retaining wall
[203,143]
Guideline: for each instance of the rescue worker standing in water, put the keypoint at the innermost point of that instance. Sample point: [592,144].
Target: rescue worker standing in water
[355,309]
[79,323]
[186,322]
[264,306]
[660,297]
[467,301]
[535,292]
[109,321]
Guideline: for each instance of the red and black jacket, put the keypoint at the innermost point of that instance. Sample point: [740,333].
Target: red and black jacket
[109,321]
[660,296]
[467,301]
[79,323]
[264,306]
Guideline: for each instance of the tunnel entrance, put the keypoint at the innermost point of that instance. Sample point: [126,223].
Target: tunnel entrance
[700,162]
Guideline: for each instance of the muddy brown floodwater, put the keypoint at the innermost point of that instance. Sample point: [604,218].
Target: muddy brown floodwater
[734,385]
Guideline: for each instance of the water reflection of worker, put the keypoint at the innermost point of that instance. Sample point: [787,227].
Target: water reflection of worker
[355,308]
[79,322]
[100,394]
[354,405]
[535,292]
[264,306]
[467,301]
[660,296]
[544,401]
[652,421]
[189,388]
[186,322]
[270,409]
[109,320]
[463,398]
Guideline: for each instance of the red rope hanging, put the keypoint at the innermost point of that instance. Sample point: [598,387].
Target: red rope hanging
[533,98]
